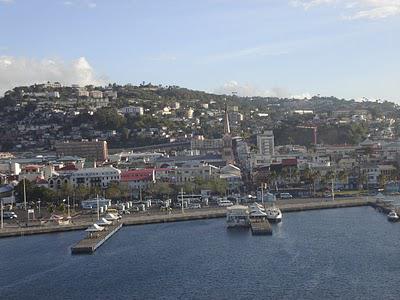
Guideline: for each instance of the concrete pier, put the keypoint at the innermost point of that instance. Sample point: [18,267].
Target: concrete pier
[260,227]
[89,244]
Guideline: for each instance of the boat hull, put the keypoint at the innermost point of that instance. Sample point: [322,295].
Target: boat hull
[237,224]
[275,220]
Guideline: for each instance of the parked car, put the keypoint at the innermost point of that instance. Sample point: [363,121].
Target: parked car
[195,205]
[225,203]
[9,215]
[286,196]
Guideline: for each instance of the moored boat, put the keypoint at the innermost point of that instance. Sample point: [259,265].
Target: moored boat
[274,214]
[393,216]
[237,216]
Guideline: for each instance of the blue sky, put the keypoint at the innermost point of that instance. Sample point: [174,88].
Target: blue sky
[343,48]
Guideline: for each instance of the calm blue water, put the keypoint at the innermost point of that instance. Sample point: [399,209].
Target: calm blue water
[349,253]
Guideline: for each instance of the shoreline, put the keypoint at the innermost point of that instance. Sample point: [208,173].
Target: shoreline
[189,215]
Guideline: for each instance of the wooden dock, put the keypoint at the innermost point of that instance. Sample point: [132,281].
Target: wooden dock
[260,227]
[89,244]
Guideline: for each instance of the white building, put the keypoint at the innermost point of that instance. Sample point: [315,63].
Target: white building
[132,110]
[265,143]
[189,113]
[83,93]
[53,94]
[96,94]
[100,177]
[111,94]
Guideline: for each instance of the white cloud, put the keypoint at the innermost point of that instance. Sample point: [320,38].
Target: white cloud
[163,57]
[15,71]
[84,4]
[263,50]
[249,90]
[6,1]
[357,9]
[91,5]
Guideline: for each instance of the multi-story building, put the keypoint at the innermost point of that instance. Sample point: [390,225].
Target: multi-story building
[265,143]
[96,94]
[83,93]
[206,145]
[138,179]
[92,150]
[95,177]
[132,110]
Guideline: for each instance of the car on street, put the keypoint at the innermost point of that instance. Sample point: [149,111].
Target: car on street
[286,196]
[9,215]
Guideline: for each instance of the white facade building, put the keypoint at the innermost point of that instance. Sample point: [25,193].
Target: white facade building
[265,143]
[100,177]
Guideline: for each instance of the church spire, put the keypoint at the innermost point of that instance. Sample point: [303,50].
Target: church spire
[227,128]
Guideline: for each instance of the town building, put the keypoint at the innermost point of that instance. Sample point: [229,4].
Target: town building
[100,177]
[92,150]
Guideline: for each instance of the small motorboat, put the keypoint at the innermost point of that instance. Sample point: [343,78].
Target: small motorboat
[274,214]
[393,216]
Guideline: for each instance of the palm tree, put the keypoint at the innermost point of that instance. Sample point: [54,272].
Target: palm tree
[343,177]
[294,173]
[382,179]
[272,177]
[311,177]
[362,181]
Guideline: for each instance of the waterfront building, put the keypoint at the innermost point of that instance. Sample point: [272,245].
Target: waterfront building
[138,179]
[95,177]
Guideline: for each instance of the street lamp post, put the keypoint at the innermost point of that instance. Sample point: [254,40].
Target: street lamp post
[2,220]
[25,194]
[40,215]
[69,215]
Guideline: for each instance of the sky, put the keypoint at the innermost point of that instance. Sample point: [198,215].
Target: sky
[285,48]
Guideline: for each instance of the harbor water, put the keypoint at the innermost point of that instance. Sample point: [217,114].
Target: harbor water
[351,253]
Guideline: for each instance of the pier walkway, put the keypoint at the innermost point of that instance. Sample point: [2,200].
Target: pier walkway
[89,244]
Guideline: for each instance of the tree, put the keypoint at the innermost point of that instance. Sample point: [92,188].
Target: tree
[382,180]
[82,192]
[161,189]
[343,177]
[108,118]
[362,180]
[113,191]
[215,185]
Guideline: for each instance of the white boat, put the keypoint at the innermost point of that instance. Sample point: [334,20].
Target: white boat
[274,214]
[237,216]
[255,207]
[112,217]
[103,222]
[95,228]
[392,216]
[257,212]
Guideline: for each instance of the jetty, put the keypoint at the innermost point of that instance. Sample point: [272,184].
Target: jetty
[89,244]
[260,227]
